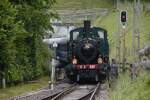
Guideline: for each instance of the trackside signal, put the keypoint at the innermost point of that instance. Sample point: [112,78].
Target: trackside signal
[123,16]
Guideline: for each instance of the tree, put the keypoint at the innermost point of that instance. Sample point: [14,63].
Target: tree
[22,26]
[9,27]
[36,17]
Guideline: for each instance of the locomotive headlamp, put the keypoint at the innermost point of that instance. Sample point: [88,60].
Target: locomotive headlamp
[74,61]
[99,60]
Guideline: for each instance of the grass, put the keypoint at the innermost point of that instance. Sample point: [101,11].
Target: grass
[109,22]
[127,89]
[145,28]
[6,94]
[82,4]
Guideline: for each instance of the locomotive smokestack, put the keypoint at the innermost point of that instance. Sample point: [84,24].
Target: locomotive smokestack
[87,24]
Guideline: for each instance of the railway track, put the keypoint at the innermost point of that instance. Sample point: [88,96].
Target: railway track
[42,93]
[59,92]
[68,92]
[77,92]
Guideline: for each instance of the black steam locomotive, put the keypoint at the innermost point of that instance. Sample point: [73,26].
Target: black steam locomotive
[88,54]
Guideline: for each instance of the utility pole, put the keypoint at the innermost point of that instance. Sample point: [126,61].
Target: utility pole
[136,28]
[118,47]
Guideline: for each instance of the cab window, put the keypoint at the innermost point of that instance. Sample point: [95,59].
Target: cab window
[101,34]
[75,35]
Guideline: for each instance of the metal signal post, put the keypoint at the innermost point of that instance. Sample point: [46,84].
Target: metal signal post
[124,47]
[123,19]
[53,66]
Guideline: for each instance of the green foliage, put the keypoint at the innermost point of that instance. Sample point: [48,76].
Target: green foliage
[8,30]
[14,74]
[127,89]
[23,23]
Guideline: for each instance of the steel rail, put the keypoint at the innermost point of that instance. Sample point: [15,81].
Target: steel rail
[57,93]
[63,93]
[87,96]
[93,96]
